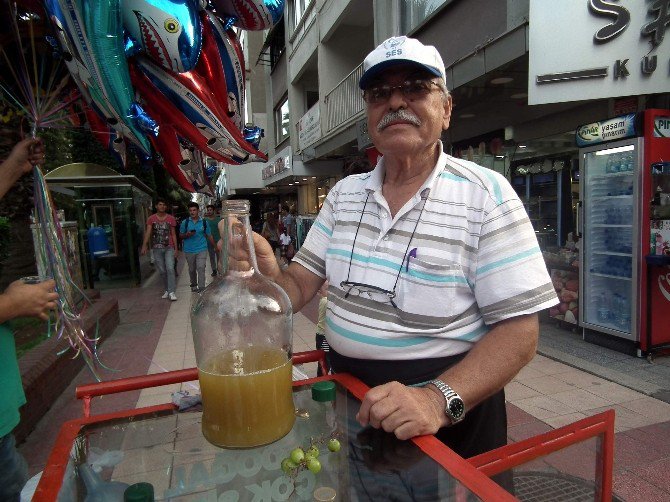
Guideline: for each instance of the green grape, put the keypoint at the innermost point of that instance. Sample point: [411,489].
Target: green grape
[334,445]
[313,465]
[297,455]
[288,465]
[313,451]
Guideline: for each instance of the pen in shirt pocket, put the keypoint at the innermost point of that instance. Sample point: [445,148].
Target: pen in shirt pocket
[411,254]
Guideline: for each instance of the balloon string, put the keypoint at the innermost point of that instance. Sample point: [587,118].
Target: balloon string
[53,259]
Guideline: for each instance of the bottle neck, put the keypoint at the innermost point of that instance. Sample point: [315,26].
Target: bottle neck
[238,254]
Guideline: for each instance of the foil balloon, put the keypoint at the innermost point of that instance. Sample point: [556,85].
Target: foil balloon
[190,93]
[110,139]
[168,114]
[210,171]
[167,31]
[90,36]
[119,149]
[222,61]
[184,163]
[251,14]
[253,134]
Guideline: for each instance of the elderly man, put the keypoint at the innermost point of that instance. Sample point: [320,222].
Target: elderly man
[434,269]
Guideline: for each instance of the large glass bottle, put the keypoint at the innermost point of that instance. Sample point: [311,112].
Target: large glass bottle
[242,331]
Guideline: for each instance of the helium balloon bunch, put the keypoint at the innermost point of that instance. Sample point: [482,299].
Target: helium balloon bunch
[34,85]
[167,75]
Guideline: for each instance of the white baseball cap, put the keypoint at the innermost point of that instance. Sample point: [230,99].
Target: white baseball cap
[401,50]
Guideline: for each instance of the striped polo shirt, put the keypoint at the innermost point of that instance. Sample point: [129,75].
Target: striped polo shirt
[460,255]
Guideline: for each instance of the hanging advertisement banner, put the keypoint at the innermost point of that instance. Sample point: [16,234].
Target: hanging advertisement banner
[607,130]
[309,127]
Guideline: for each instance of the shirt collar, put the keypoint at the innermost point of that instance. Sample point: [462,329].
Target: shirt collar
[376,180]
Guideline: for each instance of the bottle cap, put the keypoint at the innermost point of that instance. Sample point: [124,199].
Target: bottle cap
[139,492]
[325,494]
[323,391]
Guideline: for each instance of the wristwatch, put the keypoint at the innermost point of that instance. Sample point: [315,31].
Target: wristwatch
[455,409]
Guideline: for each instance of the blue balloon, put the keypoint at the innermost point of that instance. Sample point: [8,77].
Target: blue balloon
[142,120]
[253,134]
[210,171]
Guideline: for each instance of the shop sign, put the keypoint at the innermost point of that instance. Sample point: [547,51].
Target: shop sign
[309,127]
[607,130]
[662,127]
[277,165]
[594,49]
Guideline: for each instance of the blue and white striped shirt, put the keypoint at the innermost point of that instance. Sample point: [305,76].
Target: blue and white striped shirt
[474,260]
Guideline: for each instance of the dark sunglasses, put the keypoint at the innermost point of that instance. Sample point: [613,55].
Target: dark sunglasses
[410,89]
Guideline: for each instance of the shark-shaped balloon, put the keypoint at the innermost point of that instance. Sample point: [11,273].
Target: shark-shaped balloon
[250,14]
[190,93]
[90,37]
[167,31]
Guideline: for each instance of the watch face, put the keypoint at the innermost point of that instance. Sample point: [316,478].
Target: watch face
[456,408]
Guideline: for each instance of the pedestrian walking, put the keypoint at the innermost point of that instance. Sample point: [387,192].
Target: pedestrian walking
[160,238]
[195,234]
[213,221]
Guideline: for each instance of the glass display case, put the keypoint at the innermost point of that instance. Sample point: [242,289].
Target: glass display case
[609,191]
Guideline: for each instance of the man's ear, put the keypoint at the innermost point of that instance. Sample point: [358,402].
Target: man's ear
[447,113]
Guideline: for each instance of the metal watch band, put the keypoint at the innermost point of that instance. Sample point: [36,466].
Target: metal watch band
[448,394]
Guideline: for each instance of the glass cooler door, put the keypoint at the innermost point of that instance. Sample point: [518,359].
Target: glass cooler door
[609,190]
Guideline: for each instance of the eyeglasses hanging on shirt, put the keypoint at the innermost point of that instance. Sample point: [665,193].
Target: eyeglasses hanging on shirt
[375,293]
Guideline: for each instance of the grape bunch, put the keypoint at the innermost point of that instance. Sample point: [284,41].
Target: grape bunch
[300,458]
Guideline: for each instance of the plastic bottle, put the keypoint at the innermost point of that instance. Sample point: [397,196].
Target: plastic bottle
[324,394]
[242,331]
[602,307]
[139,492]
[98,490]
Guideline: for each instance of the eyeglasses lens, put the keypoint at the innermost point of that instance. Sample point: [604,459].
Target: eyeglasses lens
[415,89]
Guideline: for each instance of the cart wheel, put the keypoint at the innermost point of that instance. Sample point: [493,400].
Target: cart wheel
[650,358]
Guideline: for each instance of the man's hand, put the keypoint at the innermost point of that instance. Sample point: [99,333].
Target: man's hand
[29,300]
[238,252]
[25,155]
[144,250]
[265,257]
[21,160]
[404,411]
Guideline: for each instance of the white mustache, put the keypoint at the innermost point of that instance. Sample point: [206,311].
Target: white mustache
[398,115]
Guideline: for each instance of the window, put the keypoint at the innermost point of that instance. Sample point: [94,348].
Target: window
[414,12]
[282,121]
[311,98]
[298,9]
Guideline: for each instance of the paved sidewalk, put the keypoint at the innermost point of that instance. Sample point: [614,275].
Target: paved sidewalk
[565,382]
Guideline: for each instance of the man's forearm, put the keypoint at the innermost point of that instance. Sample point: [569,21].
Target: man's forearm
[8,177]
[299,283]
[494,360]
[286,280]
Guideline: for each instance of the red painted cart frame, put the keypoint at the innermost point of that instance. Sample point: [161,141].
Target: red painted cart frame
[473,473]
